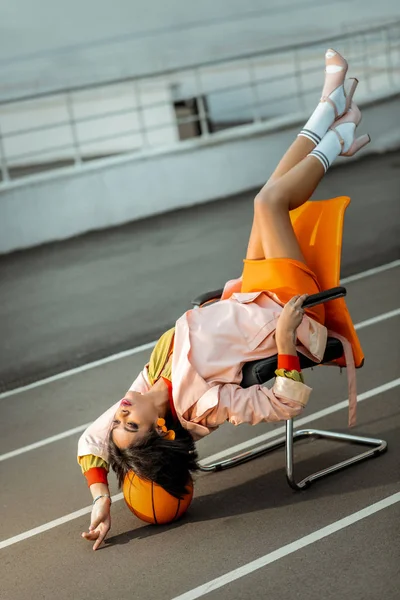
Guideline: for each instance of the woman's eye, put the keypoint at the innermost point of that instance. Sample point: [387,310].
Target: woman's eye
[115,422]
[133,426]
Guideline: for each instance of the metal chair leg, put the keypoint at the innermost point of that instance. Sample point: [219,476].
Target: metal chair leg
[377,447]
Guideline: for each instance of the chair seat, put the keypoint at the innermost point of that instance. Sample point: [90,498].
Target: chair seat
[261,371]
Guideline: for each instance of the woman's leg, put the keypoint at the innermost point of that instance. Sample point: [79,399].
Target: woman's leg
[273,203]
[335,71]
[272,206]
[297,152]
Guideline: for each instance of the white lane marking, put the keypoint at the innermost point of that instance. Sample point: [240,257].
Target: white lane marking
[81,369]
[369,272]
[150,345]
[84,511]
[307,540]
[51,524]
[299,422]
[44,442]
[60,436]
[378,319]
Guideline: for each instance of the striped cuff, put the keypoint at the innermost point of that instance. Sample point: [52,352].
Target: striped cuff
[323,159]
[96,475]
[291,390]
[310,135]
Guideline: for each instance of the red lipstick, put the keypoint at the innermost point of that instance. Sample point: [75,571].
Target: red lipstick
[125,402]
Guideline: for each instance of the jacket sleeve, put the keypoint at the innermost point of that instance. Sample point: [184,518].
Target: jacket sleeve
[286,399]
[94,439]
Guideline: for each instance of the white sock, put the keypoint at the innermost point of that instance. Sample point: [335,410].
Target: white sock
[330,147]
[324,116]
[327,150]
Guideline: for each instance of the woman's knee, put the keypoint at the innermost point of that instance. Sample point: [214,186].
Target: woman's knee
[271,197]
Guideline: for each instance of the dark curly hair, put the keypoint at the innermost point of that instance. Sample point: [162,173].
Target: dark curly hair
[168,463]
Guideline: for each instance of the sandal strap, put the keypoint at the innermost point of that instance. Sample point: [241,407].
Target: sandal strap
[341,140]
[331,102]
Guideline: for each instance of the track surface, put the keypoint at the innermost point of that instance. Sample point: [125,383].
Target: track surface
[239,515]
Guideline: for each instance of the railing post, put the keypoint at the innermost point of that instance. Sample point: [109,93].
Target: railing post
[388,52]
[366,62]
[256,97]
[140,113]
[299,81]
[203,120]
[5,175]
[74,132]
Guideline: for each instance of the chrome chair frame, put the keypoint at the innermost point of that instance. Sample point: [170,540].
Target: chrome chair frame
[376,446]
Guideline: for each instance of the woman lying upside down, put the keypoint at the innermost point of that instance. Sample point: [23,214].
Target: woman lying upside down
[191,384]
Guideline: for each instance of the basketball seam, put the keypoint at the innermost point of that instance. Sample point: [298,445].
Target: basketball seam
[177,510]
[130,489]
[152,502]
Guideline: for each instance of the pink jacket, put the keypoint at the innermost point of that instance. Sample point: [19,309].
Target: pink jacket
[210,347]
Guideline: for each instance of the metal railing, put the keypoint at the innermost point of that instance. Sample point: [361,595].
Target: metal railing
[74,126]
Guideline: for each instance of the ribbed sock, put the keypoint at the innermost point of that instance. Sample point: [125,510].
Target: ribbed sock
[324,116]
[327,150]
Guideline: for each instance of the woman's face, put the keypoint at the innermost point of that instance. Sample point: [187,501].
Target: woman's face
[135,417]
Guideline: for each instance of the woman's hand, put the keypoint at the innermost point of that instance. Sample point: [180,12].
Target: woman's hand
[288,322]
[100,522]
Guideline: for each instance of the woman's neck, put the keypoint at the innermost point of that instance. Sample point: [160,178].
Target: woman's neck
[160,397]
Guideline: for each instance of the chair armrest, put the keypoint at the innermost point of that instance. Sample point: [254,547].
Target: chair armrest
[207,296]
[325,296]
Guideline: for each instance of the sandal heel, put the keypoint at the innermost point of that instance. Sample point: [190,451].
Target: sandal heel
[350,93]
[358,143]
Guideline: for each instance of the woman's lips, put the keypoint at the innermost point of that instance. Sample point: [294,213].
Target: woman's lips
[126,402]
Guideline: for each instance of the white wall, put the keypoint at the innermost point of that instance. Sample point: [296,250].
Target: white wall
[48,44]
[54,207]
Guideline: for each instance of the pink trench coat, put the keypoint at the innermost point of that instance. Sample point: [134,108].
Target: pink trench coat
[210,347]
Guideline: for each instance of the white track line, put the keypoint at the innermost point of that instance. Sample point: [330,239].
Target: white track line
[81,369]
[84,511]
[42,528]
[150,345]
[369,272]
[307,540]
[377,319]
[64,434]
[44,442]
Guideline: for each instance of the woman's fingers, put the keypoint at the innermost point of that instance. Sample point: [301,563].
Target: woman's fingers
[91,535]
[102,535]
[96,535]
[298,303]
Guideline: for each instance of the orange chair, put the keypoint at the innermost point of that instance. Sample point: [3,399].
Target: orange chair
[319,228]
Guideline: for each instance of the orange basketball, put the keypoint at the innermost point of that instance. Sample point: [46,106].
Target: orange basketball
[151,503]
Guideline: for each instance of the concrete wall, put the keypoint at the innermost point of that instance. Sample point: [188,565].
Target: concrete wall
[57,206]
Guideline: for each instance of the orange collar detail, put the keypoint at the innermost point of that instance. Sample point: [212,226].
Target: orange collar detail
[170,397]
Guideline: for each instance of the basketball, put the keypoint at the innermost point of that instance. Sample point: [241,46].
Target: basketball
[151,503]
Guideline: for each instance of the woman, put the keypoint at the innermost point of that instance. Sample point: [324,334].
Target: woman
[192,382]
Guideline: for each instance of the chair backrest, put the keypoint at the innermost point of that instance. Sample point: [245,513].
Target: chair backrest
[319,229]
